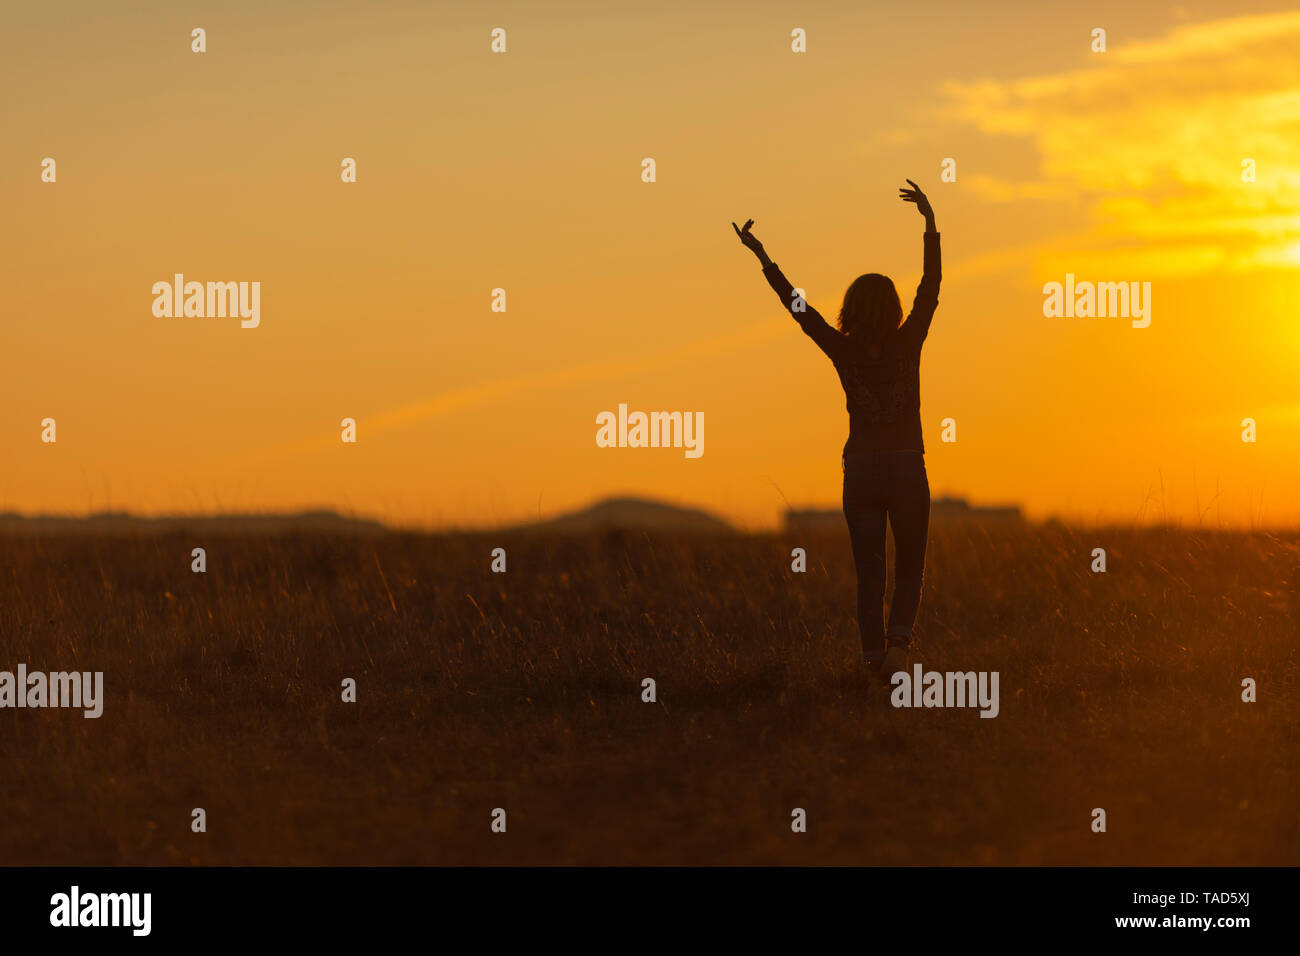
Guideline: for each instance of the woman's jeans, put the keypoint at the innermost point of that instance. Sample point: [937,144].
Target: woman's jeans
[893,485]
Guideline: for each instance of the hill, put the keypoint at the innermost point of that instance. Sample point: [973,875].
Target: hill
[122,523]
[630,514]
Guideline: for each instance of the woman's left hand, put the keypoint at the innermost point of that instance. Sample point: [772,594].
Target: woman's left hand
[917,196]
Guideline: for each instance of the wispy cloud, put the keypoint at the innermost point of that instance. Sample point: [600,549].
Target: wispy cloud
[567,376]
[1151,136]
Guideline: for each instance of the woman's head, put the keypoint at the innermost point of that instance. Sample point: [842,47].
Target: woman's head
[872,311]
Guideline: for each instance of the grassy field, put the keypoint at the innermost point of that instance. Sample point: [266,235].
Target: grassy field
[523,691]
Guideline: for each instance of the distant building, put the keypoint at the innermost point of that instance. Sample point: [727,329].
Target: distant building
[814,520]
[941,510]
[961,508]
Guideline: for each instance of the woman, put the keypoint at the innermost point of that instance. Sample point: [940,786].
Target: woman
[877,354]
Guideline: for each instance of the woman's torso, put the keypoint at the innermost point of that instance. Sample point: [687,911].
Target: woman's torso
[883,395]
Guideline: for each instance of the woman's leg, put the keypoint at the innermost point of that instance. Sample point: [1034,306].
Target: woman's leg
[909,517]
[865,513]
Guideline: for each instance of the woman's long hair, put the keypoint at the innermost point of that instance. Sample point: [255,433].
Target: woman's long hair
[872,312]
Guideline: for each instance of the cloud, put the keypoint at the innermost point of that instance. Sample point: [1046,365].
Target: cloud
[499,389]
[1151,139]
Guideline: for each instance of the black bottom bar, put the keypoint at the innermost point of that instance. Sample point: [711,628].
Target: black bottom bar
[1169,906]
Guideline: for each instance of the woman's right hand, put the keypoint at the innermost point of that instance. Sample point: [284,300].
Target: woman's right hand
[748,238]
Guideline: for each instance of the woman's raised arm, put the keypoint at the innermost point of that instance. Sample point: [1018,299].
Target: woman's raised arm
[927,293]
[809,319]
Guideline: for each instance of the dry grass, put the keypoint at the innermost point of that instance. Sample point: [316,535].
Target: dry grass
[522,691]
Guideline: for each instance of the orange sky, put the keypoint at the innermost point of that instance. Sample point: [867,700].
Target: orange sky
[522,171]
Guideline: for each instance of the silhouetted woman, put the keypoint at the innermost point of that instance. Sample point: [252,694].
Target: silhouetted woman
[877,354]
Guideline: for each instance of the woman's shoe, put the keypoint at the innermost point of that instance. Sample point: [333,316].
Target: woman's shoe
[895,660]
